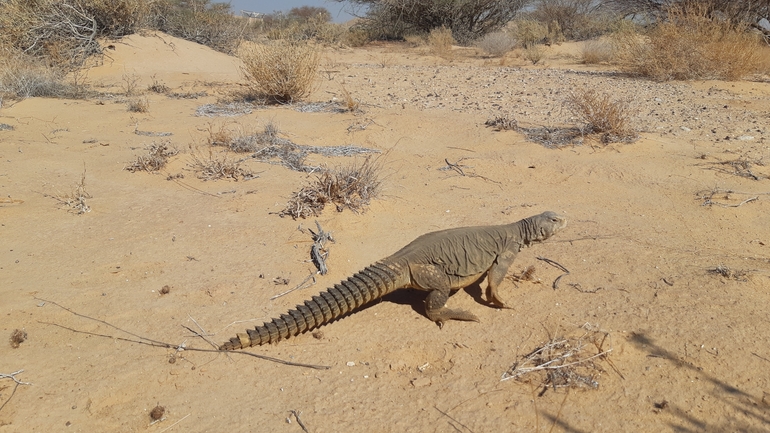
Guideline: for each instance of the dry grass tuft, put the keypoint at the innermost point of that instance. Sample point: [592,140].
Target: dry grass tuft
[349,187]
[75,202]
[564,362]
[597,51]
[138,105]
[502,123]
[18,336]
[218,166]
[534,54]
[350,103]
[496,44]
[692,44]
[156,158]
[281,71]
[440,41]
[611,119]
[730,274]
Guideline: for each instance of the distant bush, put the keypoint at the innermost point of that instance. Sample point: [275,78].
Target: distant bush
[574,19]
[691,44]
[597,51]
[201,21]
[440,41]
[281,71]
[468,20]
[529,32]
[496,44]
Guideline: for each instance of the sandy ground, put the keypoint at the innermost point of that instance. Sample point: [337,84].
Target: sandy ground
[691,348]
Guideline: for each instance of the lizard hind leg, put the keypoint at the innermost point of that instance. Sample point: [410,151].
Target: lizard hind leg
[437,311]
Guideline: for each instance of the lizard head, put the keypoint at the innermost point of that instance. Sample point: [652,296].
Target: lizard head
[545,225]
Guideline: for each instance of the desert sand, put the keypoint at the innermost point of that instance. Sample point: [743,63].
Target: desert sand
[650,224]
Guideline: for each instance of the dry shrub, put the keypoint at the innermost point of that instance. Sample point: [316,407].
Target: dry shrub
[602,115]
[349,187]
[440,41]
[138,105]
[218,166]
[18,336]
[564,362]
[202,21]
[281,71]
[597,51]
[529,32]
[534,53]
[496,44]
[351,104]
[75,202]
[156,158]
[356,37]
[23,76]
[691,44]
[415,40]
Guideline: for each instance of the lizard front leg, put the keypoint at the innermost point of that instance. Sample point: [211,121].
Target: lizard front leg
[496,275]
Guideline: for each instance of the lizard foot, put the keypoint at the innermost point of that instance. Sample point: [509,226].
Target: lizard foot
[441,315]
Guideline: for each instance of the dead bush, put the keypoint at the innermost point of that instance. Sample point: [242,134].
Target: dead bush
[534,54]
[18,336]
[202,21]
[440,41]
[74,202]
[529,32]
[496,44]
[23,76]
[138,105]
[611,119]
[155,159]
[356,37]
[691,44]
[349,187]
[281,71]
[565,362]
[218,166]
[597,51]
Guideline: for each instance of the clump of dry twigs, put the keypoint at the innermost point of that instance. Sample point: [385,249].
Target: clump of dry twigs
[75,201]
[218,166]
[502,123]
[156,158]
[138,105]
[564,362]
[730,274]
[18,336]
[349,187]
[609,119]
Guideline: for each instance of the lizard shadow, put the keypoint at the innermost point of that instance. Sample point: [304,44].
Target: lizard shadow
[415,298]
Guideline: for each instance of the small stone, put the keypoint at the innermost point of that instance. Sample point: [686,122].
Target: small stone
[746,137]
[351,364]
[685,129]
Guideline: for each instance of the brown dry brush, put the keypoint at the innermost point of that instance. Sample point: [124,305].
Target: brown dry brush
[218,166]
[602,115]
[564,362]
[281,71]
[156,158]
[350,187]
[690,42]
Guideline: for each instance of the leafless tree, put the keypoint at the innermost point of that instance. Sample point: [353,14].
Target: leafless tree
[468,19]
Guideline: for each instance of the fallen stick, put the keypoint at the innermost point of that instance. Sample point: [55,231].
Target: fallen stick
[156,343]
